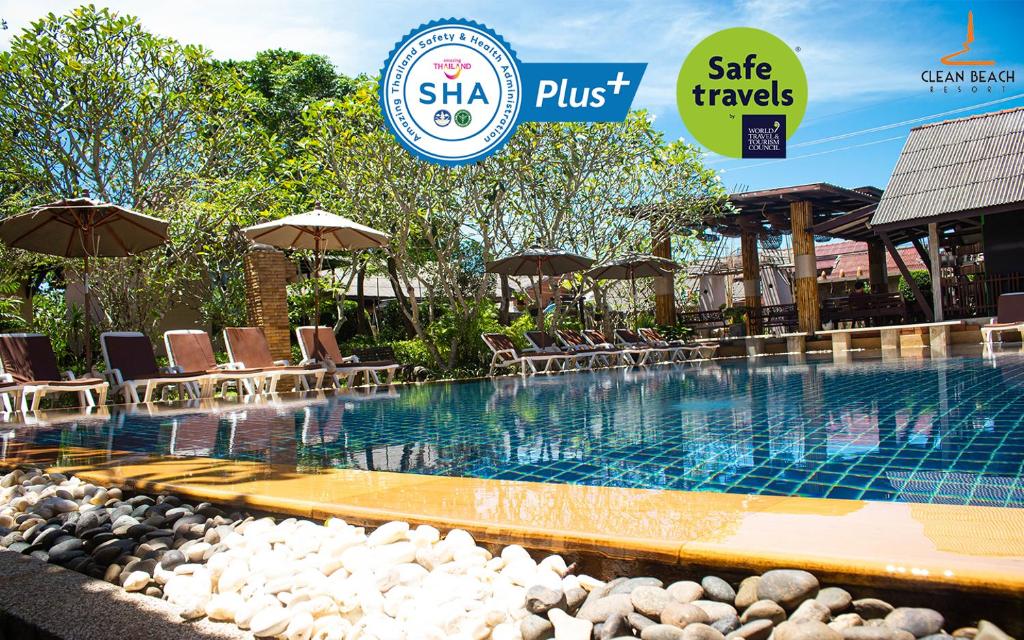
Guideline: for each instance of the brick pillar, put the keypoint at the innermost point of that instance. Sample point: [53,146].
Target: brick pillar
[267,271]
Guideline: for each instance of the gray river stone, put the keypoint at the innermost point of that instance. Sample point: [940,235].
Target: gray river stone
[718,590]
[871,608]
[917,620]
[650,600]
[837,600]
[787,587]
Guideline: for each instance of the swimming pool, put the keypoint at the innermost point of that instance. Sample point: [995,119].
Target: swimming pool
[937,431]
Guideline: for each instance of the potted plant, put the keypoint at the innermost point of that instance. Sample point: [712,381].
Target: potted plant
[735,320]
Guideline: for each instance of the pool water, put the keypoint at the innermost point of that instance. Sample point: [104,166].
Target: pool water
[934,431]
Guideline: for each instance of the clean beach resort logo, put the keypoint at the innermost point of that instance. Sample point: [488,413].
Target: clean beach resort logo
[741,93]
[460,72]
[956,80]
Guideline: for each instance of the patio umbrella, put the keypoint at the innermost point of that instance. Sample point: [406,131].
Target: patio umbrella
[319,231]
[540,261]
[632,267]
[83,228]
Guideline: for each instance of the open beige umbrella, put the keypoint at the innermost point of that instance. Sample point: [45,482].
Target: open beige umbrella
[540,261]
[320,231]
[83,228]
[632,267]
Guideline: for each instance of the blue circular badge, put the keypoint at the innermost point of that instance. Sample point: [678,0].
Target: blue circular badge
[449,67]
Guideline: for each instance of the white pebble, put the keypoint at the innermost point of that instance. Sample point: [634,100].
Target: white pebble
[388,533]
[224,606]
[136,581]
[300,627]
[270,622]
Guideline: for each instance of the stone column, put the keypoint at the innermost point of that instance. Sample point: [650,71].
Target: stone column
[806,281]
[751,277]
[877,273]
[267,272]
[664,287]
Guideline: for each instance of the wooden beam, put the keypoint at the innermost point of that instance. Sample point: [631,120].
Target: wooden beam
[922,253]
[806,281]
[751,277]
[936,269]
[877,275]
[918,296]
[664,286]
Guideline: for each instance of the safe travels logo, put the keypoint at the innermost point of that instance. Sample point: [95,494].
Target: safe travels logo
[974,80]
[742,92]
[453,91]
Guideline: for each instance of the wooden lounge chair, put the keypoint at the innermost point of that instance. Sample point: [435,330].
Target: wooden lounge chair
[248,349]
[633,355]
[11,393]
[507,355]
[630,338]
[1009,317]
[542,342]
[573,340]
[686,349]
[131,365]
[192,350]
[341,368]
[29,360]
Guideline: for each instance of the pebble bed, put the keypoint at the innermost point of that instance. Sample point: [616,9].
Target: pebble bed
[301,580]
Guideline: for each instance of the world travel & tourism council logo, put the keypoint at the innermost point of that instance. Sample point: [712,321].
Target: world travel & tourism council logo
[982,77]
[458,72]
[742,92]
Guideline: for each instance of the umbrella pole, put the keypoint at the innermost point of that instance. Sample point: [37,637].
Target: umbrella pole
[632,299]
[318,261]
[540,307]
[87,320]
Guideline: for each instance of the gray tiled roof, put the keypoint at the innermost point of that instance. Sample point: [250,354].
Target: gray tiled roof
[958,165]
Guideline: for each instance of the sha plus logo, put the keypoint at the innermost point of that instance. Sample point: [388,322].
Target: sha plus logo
[461,72]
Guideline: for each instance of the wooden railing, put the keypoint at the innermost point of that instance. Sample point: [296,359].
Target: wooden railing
[977,297]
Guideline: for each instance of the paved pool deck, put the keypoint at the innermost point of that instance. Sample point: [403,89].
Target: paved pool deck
[896,545]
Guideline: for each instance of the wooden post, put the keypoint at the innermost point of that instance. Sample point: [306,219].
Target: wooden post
[905,272]
[664,286]
[877,273]
[806,282]
[751,278]
[936,269]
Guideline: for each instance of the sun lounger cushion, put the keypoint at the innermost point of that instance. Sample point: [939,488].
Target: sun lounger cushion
[249,346]
[133,356]
[328,349]
[192,351]
[1010,308]
[29,359]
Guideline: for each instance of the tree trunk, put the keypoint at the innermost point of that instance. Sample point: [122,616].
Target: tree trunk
[503,318]
[361,324]
[403,301]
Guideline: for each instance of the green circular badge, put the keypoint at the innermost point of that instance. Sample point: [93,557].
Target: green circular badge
[463,118]
[742,92]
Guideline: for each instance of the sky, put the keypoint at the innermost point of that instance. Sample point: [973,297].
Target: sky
[863,59]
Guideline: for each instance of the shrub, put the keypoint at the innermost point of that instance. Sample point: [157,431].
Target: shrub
[51,317]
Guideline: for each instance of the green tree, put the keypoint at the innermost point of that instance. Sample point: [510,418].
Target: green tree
[284,83]
[91,101]
[601,190]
